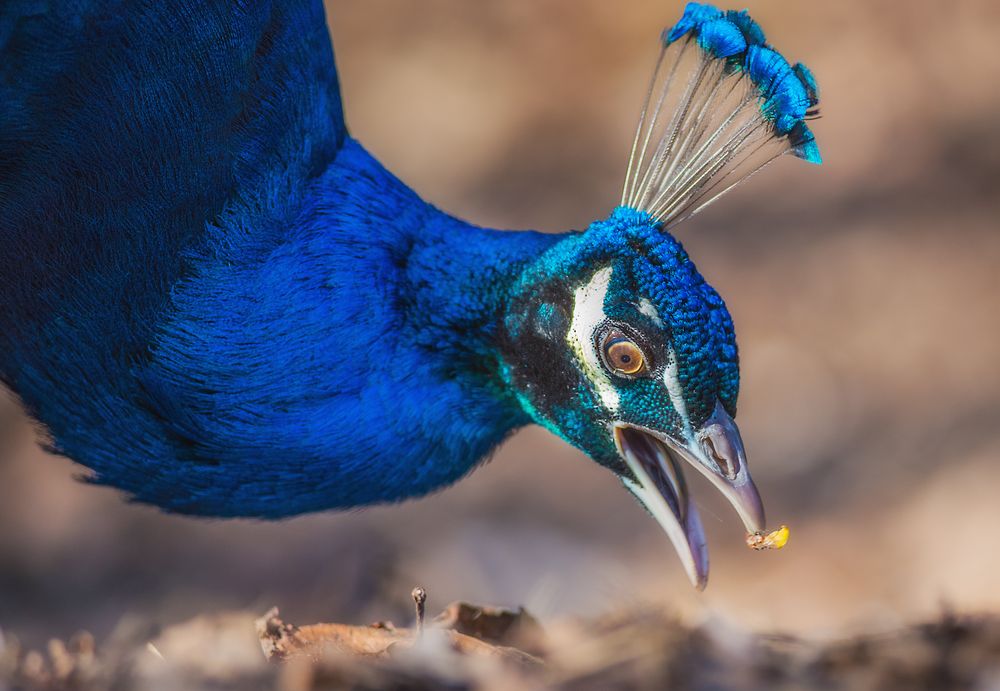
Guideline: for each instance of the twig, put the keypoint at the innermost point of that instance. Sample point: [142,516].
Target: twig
[419,599]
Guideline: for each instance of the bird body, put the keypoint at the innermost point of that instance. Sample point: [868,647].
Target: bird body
[332,341]
[215,299]
[355,361]
[323,324]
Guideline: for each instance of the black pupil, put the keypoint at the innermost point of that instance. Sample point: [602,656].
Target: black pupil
[626,359]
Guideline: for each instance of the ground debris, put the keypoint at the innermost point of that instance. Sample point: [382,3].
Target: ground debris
[458,629]
[508,627]
[63,665]
[473,648]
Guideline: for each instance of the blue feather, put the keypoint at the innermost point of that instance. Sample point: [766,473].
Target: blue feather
[751,30]
[808,82]
[787,93]
[204,279]
[805,144]
[695,14]
[721,38]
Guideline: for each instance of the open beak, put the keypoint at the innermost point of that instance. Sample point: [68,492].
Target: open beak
[716,450]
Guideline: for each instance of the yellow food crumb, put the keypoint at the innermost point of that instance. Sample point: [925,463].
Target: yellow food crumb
[776,539]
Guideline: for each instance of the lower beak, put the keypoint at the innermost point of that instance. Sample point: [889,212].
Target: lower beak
[716,450]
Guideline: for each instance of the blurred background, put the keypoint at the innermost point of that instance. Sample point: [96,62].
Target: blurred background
[866,295]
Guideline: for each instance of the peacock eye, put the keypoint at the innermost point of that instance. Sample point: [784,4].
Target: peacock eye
[622,355]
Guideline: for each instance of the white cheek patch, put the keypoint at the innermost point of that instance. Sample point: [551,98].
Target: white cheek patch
[588,312]
[671,379]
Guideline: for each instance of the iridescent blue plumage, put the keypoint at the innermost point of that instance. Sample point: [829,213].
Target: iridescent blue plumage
[215,299]
[211,295]
[787,92]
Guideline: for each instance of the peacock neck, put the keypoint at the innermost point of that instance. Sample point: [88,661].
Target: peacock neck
[458,281]
[451,280]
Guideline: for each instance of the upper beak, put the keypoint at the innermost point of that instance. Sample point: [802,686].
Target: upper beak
[716,450]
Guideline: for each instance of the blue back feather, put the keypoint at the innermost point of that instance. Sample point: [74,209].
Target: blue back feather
[211,296]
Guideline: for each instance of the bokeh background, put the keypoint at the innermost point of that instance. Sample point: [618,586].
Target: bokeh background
[866,295]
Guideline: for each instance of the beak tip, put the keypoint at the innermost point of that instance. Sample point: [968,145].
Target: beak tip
[750,506]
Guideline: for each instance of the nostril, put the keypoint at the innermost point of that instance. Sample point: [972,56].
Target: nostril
[726,462]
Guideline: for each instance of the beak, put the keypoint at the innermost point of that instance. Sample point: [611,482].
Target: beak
[716,450]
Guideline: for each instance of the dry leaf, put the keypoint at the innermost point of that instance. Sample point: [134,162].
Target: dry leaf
[281,641]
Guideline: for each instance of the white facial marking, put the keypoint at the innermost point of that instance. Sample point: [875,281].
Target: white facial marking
[671,380]
[588,312]
[647,308]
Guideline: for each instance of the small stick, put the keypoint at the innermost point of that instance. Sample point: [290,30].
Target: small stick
[419,596]
[154,650]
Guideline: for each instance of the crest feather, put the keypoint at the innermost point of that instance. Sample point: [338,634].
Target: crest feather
[722,105]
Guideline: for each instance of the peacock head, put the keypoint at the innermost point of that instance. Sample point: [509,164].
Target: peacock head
[616,343]
[612,339]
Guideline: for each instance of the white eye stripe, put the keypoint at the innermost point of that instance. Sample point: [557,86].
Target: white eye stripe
[671,379]
[647,308]
[588,314]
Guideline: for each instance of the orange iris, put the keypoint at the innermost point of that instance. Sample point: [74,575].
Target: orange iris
[622,355]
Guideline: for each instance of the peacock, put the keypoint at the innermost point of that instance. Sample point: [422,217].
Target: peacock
[221,304]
